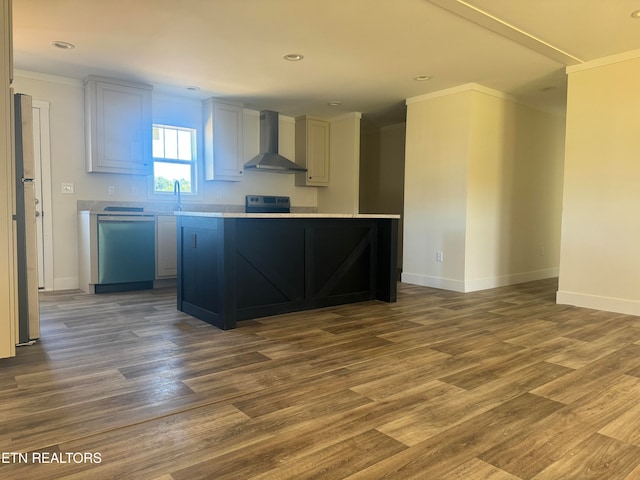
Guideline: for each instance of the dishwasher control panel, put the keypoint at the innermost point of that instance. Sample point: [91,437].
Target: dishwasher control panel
[126,218]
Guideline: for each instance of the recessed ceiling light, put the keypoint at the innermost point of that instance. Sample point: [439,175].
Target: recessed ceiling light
[63,45]
[293,57]
[334,103]
[422,78]
[193,88]
[635,14]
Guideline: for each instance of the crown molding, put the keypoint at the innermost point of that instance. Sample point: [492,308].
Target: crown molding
[604,61]
[346,116]
[46,77]
[459,89]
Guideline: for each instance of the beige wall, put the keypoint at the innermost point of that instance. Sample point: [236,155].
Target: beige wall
[600,250]
[514,193]
[483,184]
[435,190]
[341,196]
[7,279]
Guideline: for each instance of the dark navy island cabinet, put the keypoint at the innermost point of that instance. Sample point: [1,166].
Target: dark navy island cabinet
[238,267]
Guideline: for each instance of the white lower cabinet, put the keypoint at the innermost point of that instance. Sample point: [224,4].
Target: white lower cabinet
[166,247]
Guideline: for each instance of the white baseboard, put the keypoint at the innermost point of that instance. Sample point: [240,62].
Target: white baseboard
[609,304]
[477,284]
[72,283]
[511,279]
[69,283]
[433,282]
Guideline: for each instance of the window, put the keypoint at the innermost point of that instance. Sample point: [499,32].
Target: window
[174,158]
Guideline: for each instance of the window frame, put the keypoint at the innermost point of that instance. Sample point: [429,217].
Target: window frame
[193,163]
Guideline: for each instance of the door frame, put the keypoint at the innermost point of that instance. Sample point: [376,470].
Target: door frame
[43,145]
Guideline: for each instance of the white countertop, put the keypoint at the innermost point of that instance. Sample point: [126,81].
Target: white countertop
[285,215]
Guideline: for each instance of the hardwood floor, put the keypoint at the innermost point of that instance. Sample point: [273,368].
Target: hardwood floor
[501,384]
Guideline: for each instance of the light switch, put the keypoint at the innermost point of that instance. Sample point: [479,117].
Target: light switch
[68,188]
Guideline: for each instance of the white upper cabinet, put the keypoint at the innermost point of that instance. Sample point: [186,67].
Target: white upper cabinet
[312,151]
[223,141]
[118,126]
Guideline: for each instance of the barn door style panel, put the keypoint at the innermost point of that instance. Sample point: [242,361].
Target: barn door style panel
[270,264]
[341,261]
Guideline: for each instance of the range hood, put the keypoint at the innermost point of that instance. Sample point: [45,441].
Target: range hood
[268,160]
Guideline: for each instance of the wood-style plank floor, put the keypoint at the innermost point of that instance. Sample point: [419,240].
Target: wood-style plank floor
[501,384]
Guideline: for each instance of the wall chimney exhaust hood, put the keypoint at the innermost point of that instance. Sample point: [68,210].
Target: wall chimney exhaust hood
[268,160]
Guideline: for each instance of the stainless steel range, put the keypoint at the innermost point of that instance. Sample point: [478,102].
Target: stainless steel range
[267,204]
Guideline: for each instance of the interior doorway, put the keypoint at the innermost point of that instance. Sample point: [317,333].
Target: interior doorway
[44,224]
[382,151]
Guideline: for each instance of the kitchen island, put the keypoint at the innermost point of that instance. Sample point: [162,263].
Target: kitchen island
[239,266]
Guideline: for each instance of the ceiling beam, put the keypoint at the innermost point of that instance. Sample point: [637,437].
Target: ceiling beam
[484,19]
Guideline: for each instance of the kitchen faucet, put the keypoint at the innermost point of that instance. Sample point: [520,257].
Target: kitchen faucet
[176,191]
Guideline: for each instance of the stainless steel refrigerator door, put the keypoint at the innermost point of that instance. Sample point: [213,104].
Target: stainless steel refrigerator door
[26,248]
[31,258]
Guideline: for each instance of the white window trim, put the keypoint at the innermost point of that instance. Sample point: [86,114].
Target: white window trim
[197,177]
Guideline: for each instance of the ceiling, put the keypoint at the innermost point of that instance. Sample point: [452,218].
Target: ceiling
[363,53]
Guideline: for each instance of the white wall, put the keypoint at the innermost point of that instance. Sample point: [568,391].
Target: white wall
[341,196]
[514,193]
[435,190]
[483,183]
[600,250]
[66,98]
[66,119]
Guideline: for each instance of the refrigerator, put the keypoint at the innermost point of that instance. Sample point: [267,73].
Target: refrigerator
[26,254]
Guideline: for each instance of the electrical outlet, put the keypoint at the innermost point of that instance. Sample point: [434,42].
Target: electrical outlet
[439,256]
[68,188]
[111,190]
[541,251]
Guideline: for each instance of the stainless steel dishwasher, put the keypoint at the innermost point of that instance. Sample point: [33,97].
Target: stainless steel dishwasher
[126,252]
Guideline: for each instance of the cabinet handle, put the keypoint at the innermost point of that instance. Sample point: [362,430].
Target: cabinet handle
[194,240]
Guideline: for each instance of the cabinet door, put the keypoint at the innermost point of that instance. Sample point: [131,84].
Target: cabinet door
[166,249]
[318,152]
[118,127]
[312,151]
[202,283]
[223,142]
